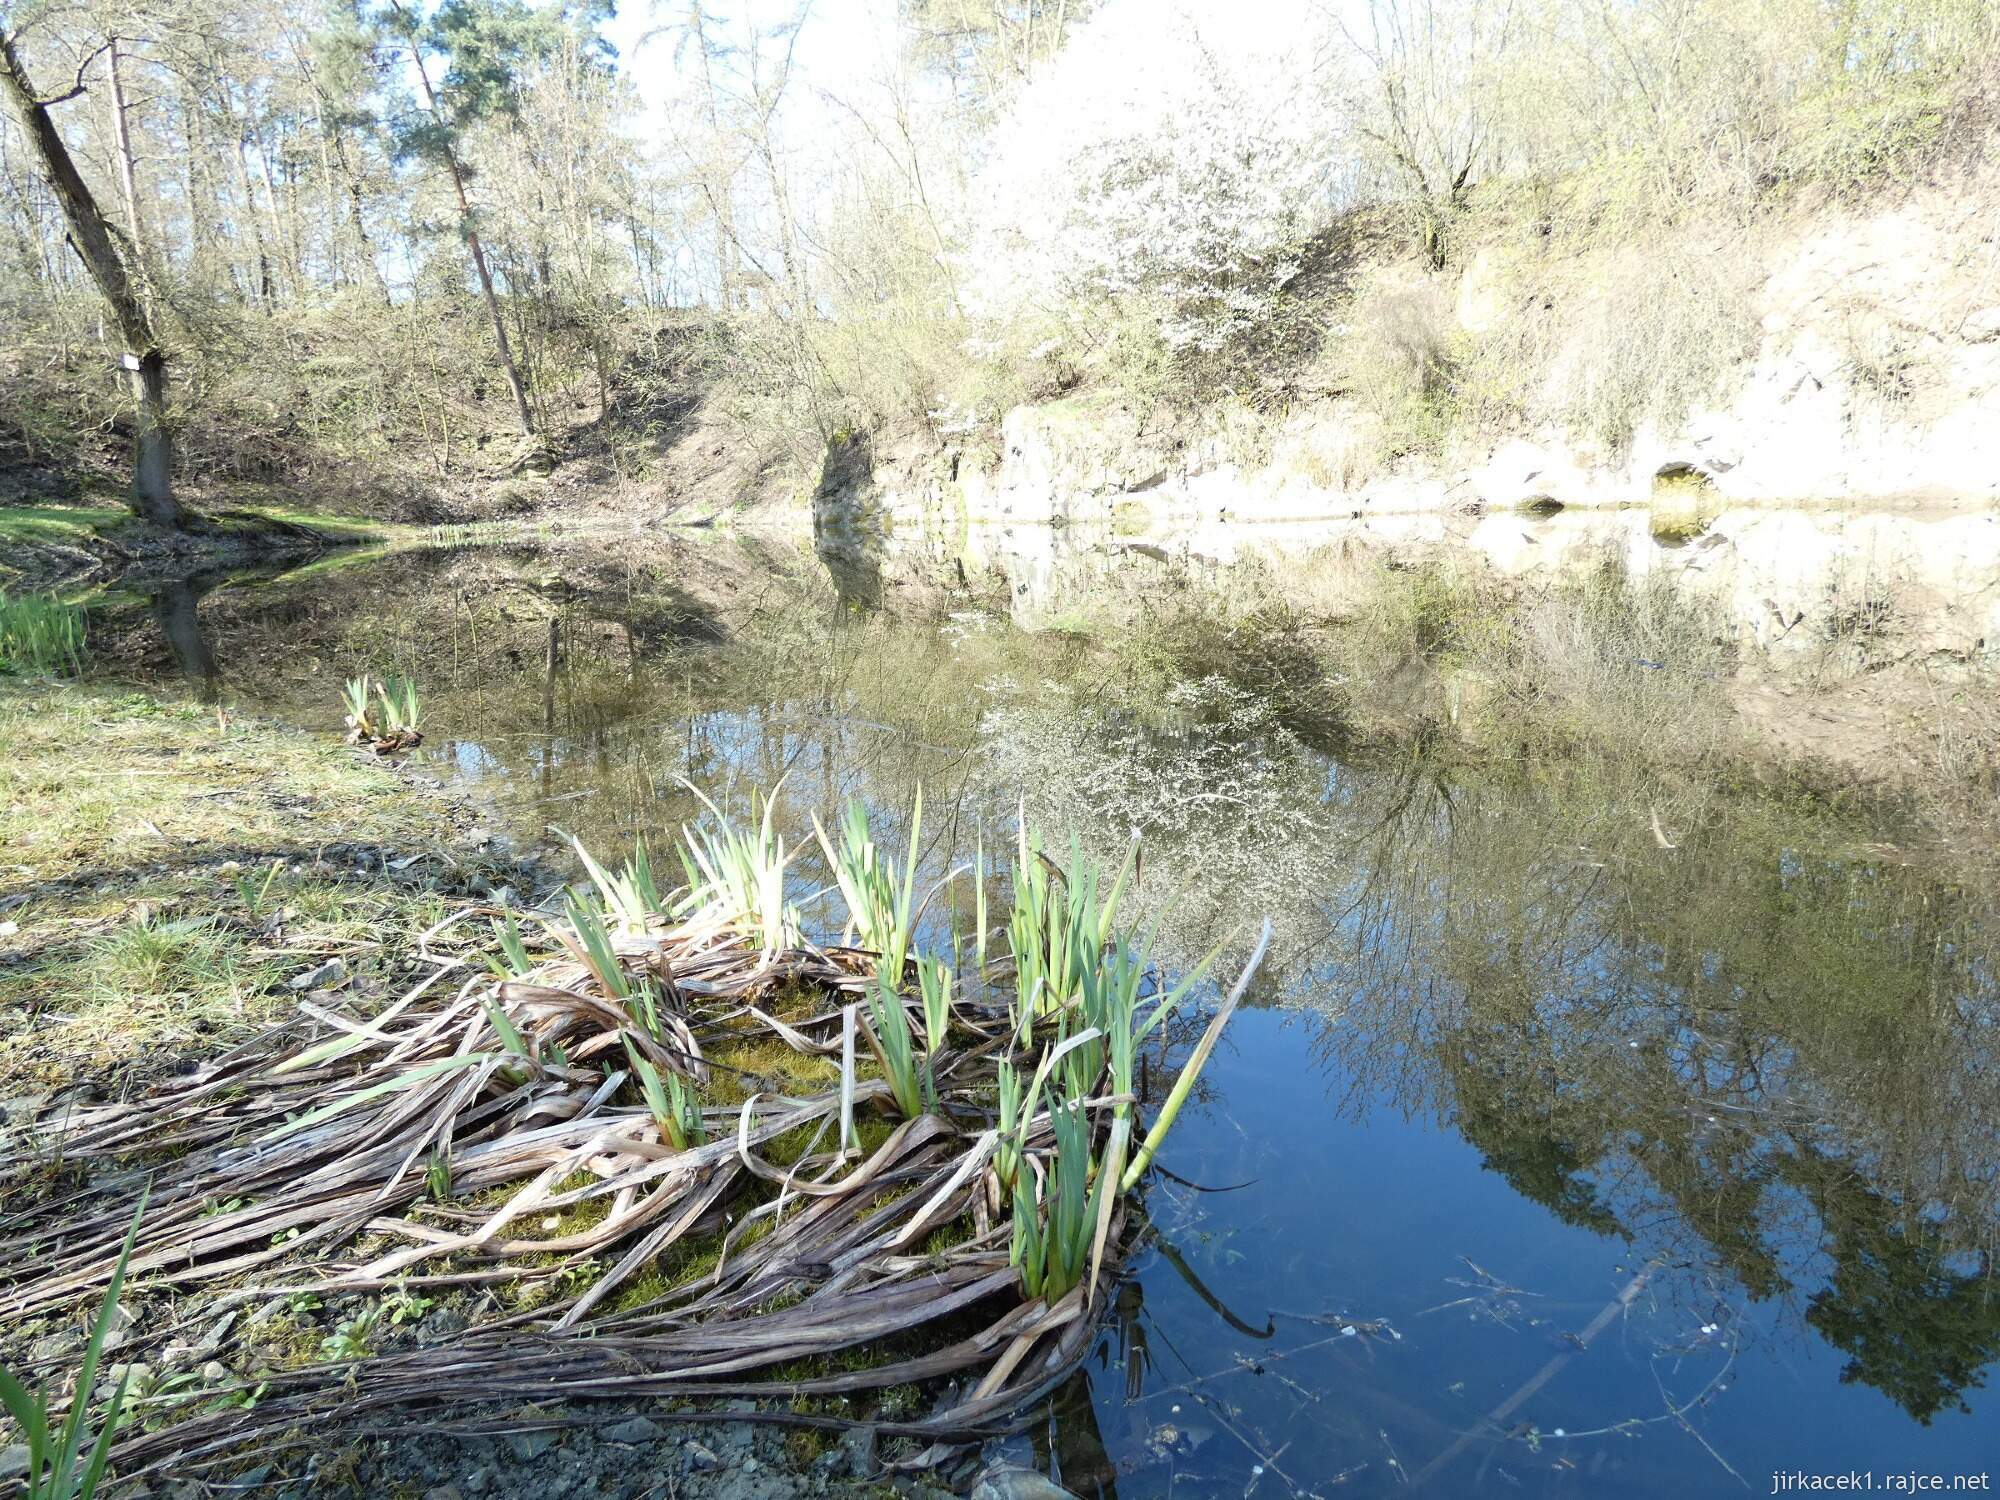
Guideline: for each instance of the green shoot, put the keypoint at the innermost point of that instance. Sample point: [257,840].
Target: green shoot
[632,895]
[358,696]
[513,962]
[254,903]
[888,1027]
[881,911]
[53,1457]
[671,1099]
[1177,1096]
[739,878]
[402,712]
[590,941]
[1007,1150]
[509,1034]
[979,901]
[934,984]
[1052,1240]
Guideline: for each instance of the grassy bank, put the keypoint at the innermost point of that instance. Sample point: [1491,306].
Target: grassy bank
[173,875]
[48,544]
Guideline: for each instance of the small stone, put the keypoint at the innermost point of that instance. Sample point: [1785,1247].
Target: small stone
[133,1376]
[215,1372]
[858,1444]
[10,929]
[632,1430]
[118,1326]
[329,973]
[700,1457]
[1018,1484]
[749,1466]
[527,1446]
[54,1346]
[14,1461]
[477,1481]
[444,1492]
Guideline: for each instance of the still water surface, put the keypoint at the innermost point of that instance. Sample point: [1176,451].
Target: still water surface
[1546,1160]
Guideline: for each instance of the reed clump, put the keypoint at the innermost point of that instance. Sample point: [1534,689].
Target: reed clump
[384,715]
[601,1125]
[40,636]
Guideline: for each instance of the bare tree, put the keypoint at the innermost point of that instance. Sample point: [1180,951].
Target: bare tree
[1428,61]
[144,360]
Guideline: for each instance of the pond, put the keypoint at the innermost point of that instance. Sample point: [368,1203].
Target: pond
[1585,1133]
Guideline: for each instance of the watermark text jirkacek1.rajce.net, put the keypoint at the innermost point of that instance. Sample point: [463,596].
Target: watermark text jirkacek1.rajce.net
[1800,1481]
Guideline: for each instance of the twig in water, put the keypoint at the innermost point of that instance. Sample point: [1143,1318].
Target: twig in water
[1496,1417]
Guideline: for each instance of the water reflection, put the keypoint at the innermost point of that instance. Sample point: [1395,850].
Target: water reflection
[175,607]
[1562,1156]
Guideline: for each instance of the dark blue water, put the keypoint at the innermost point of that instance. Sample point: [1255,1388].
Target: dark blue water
[1358,1211]
[1544,1158]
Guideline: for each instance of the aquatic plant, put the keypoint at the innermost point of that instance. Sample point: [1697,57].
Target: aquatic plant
[385,715]
[1058,926]
[674,1105]
[934,985]
[402,706]
[888,1032]
[40,635]
[552,1124]
[513,961]
[359,696]
[633,895]
[736,878]
[881,909]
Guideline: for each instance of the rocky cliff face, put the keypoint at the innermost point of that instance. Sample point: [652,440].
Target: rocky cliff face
[1875,378]
[1848,485]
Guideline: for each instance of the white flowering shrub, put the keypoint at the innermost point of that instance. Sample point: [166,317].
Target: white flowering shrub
[1154,163]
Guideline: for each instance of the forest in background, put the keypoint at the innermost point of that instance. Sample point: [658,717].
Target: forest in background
[387,248]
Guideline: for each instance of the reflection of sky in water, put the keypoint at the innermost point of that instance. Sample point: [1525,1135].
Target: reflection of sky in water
[1539,1057]
[1360,1211]
[474,761]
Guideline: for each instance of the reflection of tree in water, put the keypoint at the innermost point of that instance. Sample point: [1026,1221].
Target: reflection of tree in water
[1914,1327]
[1733,1051]
[1233,809]
[175,607]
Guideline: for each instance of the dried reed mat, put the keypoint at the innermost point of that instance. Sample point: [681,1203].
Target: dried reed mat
[420,1148]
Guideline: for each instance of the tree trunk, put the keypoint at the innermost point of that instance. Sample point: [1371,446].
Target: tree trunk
[128,183]
[450,154]
[153,466]
[146,364]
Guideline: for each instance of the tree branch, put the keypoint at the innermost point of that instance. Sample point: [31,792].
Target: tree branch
[81,68]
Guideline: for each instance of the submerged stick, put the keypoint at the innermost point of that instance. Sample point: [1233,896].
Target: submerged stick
[1543,1376]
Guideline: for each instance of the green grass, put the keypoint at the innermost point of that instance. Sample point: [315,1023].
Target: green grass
[150,846]
[40,635]
[332,523]
[58,525]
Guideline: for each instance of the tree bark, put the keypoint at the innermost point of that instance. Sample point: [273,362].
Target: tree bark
[145,362]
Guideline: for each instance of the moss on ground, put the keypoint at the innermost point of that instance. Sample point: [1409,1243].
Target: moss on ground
[58,525]
[168,870]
